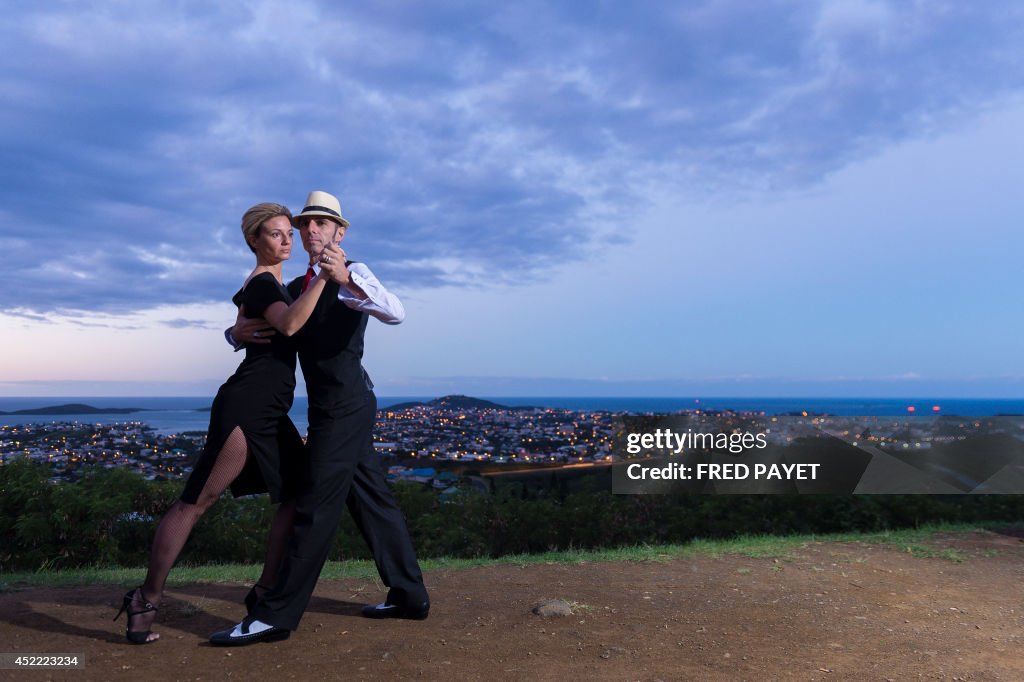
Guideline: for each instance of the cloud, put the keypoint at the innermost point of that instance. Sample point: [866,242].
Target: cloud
[79,318]
[469,145]
[28,315]
[182,324]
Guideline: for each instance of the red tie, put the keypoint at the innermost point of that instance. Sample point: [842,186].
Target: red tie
[309,275]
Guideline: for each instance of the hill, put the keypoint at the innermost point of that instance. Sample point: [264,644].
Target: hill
[75,408]
[454,402]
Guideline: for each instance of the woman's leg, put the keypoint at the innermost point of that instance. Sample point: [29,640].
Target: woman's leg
[177,524]
[277,543]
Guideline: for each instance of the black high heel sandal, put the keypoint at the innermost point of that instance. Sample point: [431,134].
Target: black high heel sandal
[126,607]
[253,597]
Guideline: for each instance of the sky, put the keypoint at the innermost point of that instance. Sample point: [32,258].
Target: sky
[651,199]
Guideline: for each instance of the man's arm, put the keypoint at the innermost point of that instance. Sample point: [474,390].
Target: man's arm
[230,338]
[360,289]
[247,331]
[375,300]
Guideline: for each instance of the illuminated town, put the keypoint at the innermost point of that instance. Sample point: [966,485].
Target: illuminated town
[458,434]
[416,437]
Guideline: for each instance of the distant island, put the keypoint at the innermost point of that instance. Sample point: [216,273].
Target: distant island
[75,408]
[456,402]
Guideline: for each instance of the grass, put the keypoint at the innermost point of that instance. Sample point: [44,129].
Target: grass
[780,548]
[948,553]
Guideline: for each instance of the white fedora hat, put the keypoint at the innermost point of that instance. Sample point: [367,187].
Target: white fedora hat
[322,203]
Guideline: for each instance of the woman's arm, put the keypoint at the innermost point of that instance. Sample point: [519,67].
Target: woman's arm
[289,319]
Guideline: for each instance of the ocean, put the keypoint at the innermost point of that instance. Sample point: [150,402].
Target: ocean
[179,414]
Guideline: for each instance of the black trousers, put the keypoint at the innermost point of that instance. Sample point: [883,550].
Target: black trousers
[344,471]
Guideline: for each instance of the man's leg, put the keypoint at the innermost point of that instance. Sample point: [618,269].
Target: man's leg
[380,520]
[336,442]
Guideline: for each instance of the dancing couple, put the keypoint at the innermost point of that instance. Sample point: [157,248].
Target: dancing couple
[252,446]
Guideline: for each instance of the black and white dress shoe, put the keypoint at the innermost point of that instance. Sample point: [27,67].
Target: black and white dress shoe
[385,610]
[249,631]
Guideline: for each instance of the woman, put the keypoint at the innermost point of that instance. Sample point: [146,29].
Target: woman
[251,445]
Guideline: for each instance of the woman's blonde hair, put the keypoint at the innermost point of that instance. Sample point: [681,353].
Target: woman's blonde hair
[252,221]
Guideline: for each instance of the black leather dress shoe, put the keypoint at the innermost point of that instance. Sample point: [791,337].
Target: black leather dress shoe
[249,631]
[385,610]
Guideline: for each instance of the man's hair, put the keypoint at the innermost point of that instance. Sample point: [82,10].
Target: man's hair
[252,221]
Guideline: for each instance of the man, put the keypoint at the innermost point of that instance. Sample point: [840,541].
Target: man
[343,467]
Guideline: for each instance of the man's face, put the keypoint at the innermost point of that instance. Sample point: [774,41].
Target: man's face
[315,230]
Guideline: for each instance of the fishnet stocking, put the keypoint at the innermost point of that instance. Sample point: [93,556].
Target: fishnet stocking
[177,524]
[277,542]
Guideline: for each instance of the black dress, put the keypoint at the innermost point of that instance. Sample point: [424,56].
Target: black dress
[257,398]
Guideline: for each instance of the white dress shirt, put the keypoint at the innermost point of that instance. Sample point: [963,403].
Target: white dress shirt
[379,302]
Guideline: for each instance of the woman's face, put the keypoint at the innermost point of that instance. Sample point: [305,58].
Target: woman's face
[273,243]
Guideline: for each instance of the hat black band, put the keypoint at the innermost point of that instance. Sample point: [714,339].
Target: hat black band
[321,208]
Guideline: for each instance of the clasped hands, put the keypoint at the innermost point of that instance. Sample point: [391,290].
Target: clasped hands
[332,261]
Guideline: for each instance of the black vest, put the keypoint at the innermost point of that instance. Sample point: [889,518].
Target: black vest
[330,349]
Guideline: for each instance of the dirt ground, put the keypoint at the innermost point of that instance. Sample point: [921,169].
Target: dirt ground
[826,611]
